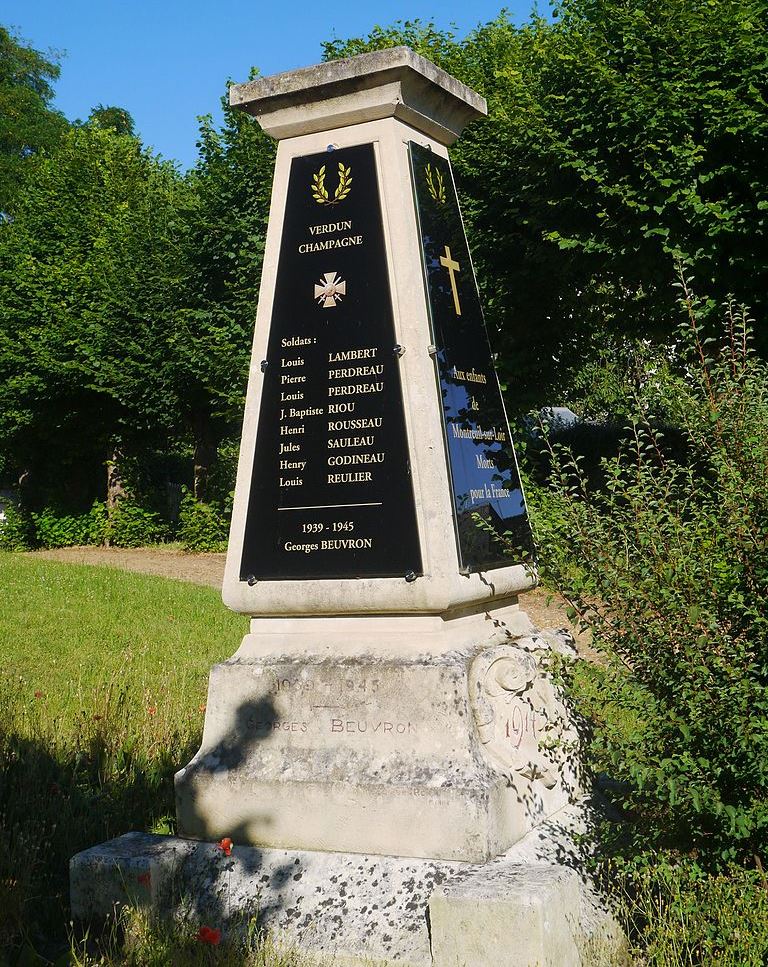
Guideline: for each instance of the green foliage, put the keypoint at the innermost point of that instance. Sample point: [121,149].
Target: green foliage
[225,232]
[667,562]
[53,529]
[440,46]
[233,185]
[90,269]
[128,524]
[221,482]
[112,118]
[621,137]
[28,124]
[613,377]
[127,295]
[202,527]
[17,532]
[678,915]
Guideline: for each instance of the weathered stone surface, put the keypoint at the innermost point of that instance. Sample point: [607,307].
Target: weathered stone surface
[521,915]
[535,906]
[451,756]
[334,904]
[138,869]
[385,83]
[531,906]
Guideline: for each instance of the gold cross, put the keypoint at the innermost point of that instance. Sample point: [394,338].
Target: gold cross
[453,267]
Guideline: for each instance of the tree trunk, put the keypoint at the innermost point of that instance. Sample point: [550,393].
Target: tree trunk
[115,487]
[206,452]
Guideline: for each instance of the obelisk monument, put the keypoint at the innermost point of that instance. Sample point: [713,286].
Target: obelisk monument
[389,697]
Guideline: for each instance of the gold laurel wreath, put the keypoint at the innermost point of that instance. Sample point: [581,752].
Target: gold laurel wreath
[436,188]
[320,192]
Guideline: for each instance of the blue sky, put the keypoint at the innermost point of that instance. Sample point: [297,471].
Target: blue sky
[167,61]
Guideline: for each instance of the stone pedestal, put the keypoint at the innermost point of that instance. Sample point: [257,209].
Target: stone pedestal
[451,754]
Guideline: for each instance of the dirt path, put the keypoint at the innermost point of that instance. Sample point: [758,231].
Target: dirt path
[545,610]
[205,569]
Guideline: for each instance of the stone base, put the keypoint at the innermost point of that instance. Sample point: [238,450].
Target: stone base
[447,740]
[524,908]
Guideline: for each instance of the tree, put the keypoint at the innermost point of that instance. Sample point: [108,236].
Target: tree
[28,124]
[225,246]
[127,303]
[90,272]
[111,118]
[623,137]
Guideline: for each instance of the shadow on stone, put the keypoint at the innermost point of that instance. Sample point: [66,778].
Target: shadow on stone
[207,872]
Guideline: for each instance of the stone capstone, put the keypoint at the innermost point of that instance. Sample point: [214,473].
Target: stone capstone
[396,82]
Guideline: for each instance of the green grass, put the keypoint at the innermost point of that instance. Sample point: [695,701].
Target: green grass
[103,678]
[67,628]
[679,916]
[142,943]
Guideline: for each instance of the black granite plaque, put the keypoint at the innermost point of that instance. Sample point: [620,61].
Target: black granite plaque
[331,493]
[481,458]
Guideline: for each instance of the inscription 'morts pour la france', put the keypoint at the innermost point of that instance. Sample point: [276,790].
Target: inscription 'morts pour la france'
[481,458]
[331,493]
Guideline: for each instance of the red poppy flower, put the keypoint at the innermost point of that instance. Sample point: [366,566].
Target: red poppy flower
[152,710]
[38,694]
[211,935]
[225,845]
[145,879]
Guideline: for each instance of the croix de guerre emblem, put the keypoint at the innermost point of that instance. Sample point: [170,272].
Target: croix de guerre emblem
[320,192]
[330,290]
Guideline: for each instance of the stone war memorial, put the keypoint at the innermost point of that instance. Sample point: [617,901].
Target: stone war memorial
[387,749]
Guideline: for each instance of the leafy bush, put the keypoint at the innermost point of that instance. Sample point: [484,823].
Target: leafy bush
[221,478]
[128,525]
[63,530]
[17,530]
[131,525]
[202,527]
[667,562]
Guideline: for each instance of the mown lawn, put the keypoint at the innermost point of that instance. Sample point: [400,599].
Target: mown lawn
[103,678]
[66,629]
